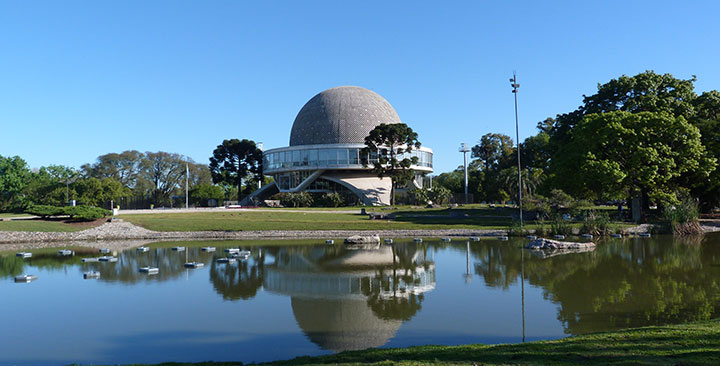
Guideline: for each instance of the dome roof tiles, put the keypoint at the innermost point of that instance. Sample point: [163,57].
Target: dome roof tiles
[341,115]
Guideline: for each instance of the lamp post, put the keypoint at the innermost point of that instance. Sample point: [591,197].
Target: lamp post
[464,148]
[515,86]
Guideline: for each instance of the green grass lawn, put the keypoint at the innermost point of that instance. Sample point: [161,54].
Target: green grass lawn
[289,220]
[684,344]
[39,225]
[405,218]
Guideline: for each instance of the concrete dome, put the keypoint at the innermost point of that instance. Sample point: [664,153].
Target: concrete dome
[341,115]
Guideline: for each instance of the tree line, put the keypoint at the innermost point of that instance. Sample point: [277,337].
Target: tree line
[157,178]
[643,139]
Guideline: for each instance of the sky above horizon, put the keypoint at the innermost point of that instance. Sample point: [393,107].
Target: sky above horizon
[81,79]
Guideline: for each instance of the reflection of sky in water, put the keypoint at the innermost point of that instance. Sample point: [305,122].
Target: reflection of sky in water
[181,316]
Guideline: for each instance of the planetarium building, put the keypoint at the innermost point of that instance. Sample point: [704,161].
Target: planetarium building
[325,148]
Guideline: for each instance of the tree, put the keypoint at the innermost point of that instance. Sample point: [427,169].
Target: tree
[235,161]
[621,154]
[124,167]
[14,175]
[493,149]
[392,144]
[165,171]
[201,194]
[530,180]
[535,151]
[99,192]
[644,92]
[707,120]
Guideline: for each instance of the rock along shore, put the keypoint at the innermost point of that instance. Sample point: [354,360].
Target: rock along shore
[120,230]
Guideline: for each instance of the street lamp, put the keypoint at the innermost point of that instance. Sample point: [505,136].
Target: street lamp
[515,86]
[464,148]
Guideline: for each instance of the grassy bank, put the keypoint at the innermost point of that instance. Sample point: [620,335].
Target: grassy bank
[290,220]
[684,344]
[403,218]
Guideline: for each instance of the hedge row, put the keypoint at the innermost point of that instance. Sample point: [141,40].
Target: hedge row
[82,213]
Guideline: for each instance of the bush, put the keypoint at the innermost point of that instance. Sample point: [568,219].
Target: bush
[541,228]
[684,218]
[45,211]
[438,195]
[86,213]
[81,213]
[300,199]
[333,199]
[420,196]
[596,224]
[558,226]
[515,230]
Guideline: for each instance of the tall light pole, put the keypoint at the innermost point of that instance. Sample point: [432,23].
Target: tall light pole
[515,86]
[187,183]
[464,148]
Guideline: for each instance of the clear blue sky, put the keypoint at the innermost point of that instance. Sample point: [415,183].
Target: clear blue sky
[79,79]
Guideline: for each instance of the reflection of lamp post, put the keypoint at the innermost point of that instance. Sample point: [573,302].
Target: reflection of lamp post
[522,287]
[464,148]
[515,86]
[467,275]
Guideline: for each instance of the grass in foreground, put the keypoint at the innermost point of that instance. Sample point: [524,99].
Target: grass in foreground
[289,220]
[684,344]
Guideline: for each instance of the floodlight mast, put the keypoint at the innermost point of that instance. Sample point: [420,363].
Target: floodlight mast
[515,86]
[464,148]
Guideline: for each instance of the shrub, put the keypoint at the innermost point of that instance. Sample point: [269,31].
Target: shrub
[45,211]
[684,218]
[541,228]
[515,230]
[439,195]
[300,199]
[558,226]
[420,196]
[333,199]
[86,213]
[81,213]
[595,223]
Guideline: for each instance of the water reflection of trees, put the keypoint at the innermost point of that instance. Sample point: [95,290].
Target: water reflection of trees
[10,266]
[239,280]
[621,284]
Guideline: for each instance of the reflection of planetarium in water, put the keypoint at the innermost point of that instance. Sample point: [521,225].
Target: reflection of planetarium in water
[353,300]
[325,143]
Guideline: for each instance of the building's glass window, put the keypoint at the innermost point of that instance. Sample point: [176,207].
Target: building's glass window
[342,156]
[334,157]
[323,160]
[354,154]
[313,157]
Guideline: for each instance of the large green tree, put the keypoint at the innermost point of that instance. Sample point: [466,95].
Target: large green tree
[124,167]
[388,147]
[14,177]
[165,172]
[235,161]
[493,150]
[644,92]
[623,154]
[707,120]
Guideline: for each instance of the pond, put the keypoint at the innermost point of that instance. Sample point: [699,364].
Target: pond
[288,300]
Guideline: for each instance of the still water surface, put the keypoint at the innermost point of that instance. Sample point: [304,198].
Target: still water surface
[291,300]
